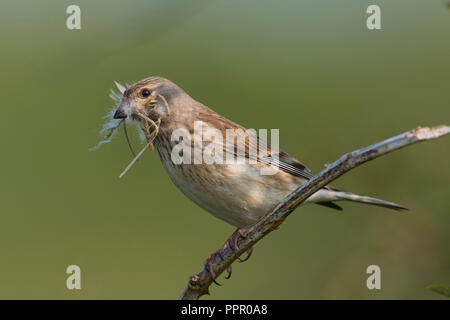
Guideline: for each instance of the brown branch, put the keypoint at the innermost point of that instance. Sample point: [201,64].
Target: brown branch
[198,284]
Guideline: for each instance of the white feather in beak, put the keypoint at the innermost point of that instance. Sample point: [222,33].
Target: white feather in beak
[120,87]
[111,125]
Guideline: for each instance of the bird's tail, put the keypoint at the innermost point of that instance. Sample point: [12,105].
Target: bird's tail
[331,194]
[349,196]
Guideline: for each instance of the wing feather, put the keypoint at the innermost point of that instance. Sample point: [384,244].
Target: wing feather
[254,147]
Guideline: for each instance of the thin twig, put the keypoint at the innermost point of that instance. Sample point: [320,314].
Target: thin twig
[198,284]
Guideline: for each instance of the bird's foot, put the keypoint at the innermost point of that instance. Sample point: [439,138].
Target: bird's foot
[233,243]
[209,263]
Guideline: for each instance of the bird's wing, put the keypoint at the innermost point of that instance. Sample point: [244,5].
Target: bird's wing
[288,164]
[254,147]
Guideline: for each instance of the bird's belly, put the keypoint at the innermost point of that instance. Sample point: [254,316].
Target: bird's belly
[235,193]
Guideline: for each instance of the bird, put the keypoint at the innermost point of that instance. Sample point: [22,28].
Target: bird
[236,192]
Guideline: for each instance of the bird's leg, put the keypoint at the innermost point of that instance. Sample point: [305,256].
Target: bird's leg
[233,243]
[210,261]
[209,267]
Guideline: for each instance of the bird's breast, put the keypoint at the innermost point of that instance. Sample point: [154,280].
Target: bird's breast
[236,193]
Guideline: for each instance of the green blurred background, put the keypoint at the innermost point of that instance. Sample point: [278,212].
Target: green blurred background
[310,68]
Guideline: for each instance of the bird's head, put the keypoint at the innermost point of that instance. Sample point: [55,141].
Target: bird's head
[153,103]
[149,98]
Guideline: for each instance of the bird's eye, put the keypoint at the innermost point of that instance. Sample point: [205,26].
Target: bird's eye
[145,93]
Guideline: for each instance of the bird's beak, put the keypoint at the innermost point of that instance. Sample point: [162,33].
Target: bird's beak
[120,113]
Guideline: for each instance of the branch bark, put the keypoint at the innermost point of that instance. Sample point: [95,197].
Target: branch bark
[198,284]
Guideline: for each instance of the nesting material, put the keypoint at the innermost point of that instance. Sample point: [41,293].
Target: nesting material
[111,125]
[148,128]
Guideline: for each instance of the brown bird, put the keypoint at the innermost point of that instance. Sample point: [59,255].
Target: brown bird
[238,192]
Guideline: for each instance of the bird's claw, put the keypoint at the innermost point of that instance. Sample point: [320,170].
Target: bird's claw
[209,266]
[233,243]
[249,254]
[229,270]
